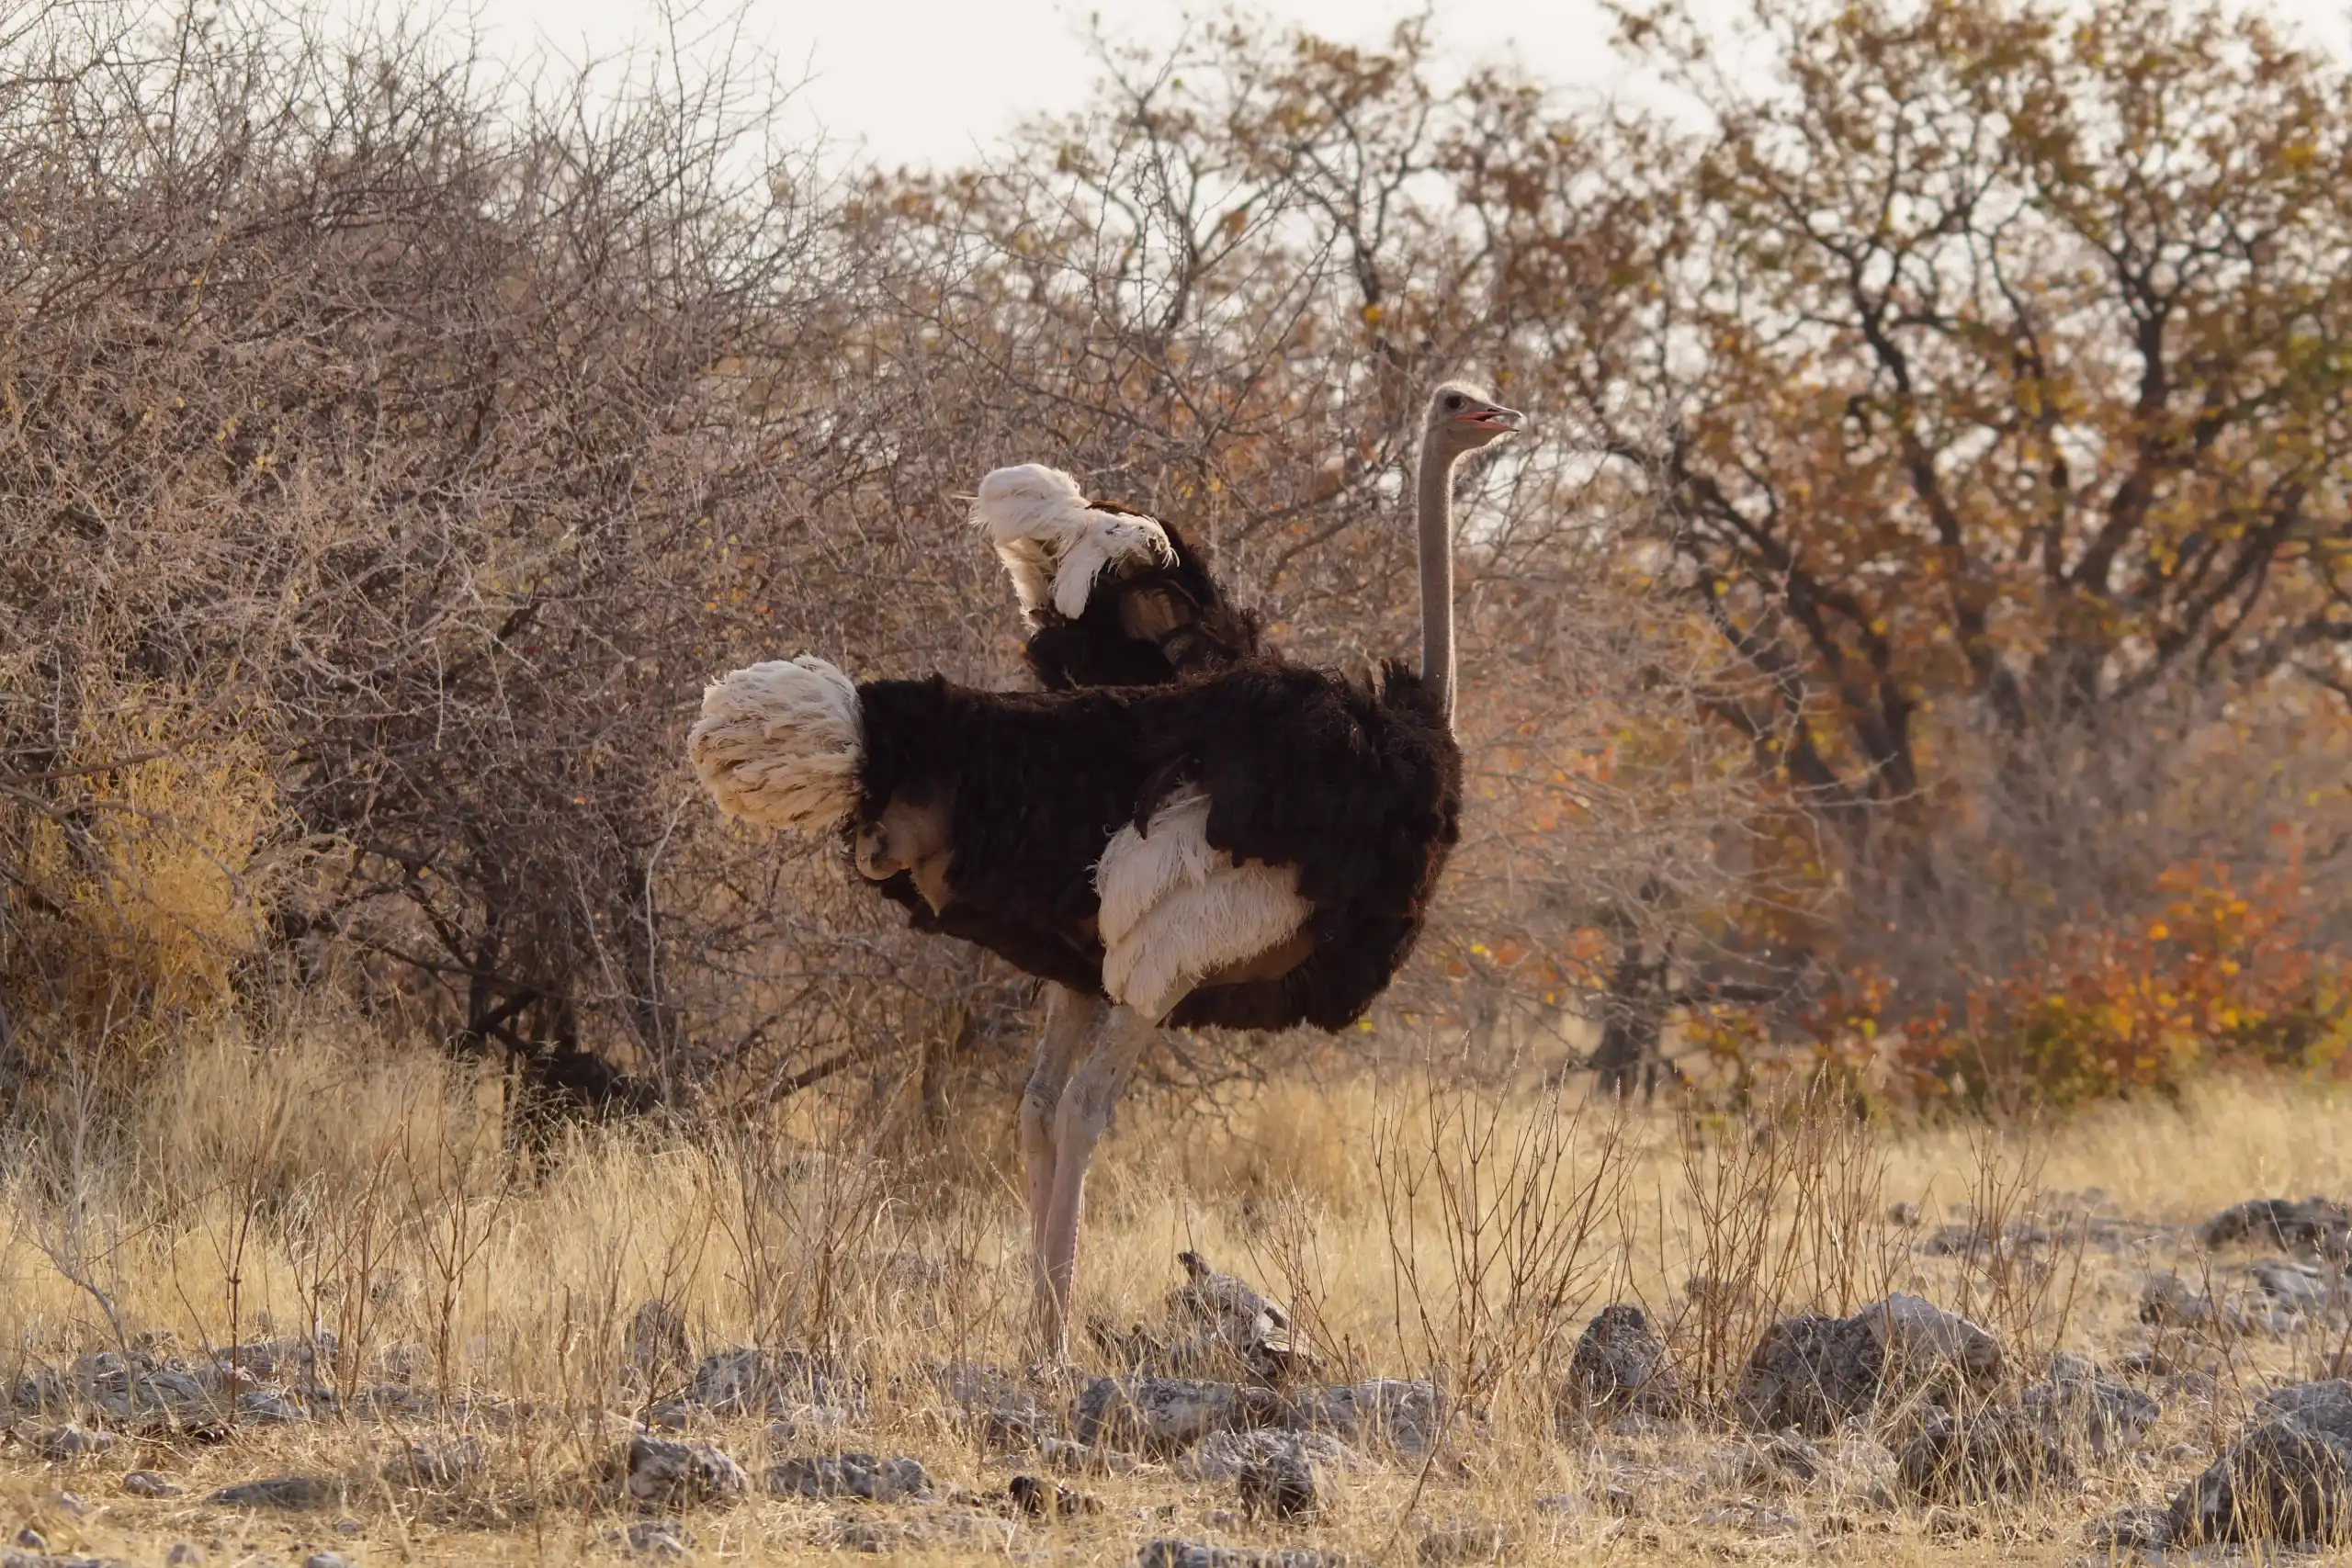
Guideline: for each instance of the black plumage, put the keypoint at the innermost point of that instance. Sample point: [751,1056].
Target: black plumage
[1149,626]
[1358,786]
[1144,628]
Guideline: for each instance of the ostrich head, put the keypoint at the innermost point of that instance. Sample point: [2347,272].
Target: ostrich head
[1462,419]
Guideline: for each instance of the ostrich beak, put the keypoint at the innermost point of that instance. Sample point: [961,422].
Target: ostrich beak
[1492,417]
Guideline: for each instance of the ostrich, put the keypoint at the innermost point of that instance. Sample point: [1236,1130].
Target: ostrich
[1111,597]
[1253,845]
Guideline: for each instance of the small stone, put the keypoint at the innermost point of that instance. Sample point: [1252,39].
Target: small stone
[147,1483]
[184,1554]
[1810,1372]
[326,1560]
[1085,1458]
[1166,1415]
[1994,1453]
[682,1473]
[660,1539]
[1283,1484]
[1401,1415]
[1619,1369]
[848,1476]
[1458,1544]
[1224,1456]
[1167,1553]
[32,1539]
[1044,1499]
[348,1526]
[72,1441]
[2314,1225]
[2130,1530]
[293,1492]
[2287,1477]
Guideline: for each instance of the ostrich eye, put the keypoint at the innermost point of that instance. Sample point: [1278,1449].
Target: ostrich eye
[1453,400]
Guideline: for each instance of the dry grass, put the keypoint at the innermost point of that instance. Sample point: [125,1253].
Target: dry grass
[262,1191]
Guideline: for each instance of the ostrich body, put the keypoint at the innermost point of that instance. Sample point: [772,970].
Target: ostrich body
[1253,845]
[1111,597]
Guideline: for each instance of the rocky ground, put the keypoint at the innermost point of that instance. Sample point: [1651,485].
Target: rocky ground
[2204,1409]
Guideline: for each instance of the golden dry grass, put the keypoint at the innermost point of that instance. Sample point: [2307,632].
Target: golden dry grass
[262,1187]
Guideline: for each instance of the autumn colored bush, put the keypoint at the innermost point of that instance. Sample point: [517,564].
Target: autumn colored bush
[1922,576]
[143,881]
[2230,976]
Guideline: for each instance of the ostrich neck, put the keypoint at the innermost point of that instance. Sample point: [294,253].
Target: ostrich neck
[1435,506]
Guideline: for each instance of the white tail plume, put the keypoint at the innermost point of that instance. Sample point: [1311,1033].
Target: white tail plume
[780,743]
[1053,545]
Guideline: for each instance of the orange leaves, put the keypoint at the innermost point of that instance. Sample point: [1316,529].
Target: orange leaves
[2225,976]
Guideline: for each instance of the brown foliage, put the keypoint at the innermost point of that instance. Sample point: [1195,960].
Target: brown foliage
[394,447]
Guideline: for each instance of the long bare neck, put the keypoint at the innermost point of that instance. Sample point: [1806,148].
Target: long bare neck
[1434,508]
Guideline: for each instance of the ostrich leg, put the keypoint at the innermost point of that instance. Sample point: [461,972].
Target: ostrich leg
[1080,1121]
[1071,1017]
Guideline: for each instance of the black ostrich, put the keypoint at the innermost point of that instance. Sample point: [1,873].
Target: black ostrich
[1251,844]
[1110,597]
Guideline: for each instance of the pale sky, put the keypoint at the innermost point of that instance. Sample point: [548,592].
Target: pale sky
[932,81]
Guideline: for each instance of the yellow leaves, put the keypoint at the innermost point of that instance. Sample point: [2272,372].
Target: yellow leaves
[1373,315]
[2158,932]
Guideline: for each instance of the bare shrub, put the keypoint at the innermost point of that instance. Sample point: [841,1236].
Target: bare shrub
[1785,1210]
[396,442]
[1501,1224]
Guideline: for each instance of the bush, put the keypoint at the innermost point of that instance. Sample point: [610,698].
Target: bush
[142,881]
[2224,978]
